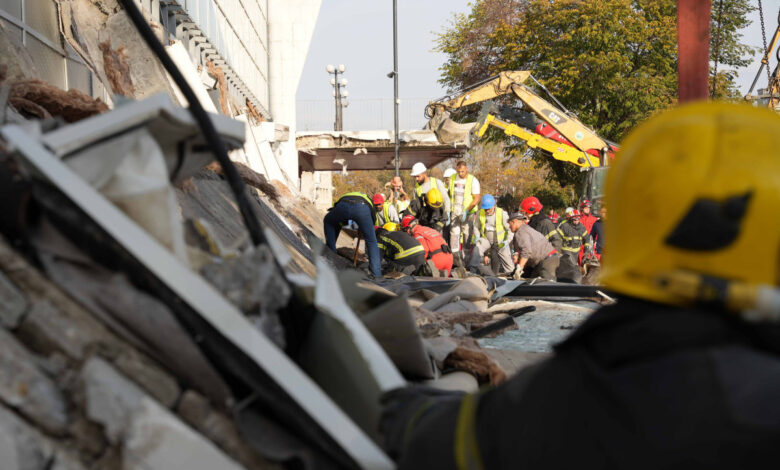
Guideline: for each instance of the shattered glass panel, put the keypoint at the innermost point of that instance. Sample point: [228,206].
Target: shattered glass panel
[50,64]
[12,7]
[41,15]
[79,77]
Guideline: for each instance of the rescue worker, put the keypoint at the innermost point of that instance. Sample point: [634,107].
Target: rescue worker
[424,183]
[402,252]
[574,236]
[540,222]
[464,193]
[359,208]
[385,212]
[534,255]
[681,372]
[429,210]
[491,234]
[598,232]
[587,219]
[437,252]
[555,218]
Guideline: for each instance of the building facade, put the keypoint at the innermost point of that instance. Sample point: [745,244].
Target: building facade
[248,56]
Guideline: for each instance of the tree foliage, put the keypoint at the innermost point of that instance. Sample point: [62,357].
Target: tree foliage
[611,62]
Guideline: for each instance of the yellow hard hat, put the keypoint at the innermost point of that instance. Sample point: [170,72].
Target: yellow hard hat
[434,198]
[690,196]
[390,227]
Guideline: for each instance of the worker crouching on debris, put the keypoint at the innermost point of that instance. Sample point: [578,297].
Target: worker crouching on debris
[424,184]
[491,235]
[403,252]
[385,212]
[534,256]
[682,372]
[437,253]
[429,210]
[359,208]
[575,236]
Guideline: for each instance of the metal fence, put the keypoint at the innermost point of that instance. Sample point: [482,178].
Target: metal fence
[361,115]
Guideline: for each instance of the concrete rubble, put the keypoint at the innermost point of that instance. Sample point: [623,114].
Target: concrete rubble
[139,329]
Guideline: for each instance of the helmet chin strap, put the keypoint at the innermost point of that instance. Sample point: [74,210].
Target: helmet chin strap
[753,302]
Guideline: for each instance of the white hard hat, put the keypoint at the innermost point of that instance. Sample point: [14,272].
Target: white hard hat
[449,172]
[569,210]
[418,168]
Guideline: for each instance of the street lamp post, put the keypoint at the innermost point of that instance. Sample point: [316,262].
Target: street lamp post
[394,73]
[338,93]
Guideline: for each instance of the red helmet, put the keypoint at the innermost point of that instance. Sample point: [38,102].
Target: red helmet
[585,203]
[531,205]
[575,214]
[408,221]
[379,199]
[555,218]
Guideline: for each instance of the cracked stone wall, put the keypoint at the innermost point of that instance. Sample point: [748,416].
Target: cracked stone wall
[75,396]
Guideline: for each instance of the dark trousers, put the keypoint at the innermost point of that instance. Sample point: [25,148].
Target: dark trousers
[568,269]
[345,211]
[545,269]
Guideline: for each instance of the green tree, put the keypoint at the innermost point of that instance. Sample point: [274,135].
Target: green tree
[611,62]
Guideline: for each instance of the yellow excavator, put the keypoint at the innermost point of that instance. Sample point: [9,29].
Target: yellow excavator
[540,124]
[771,95]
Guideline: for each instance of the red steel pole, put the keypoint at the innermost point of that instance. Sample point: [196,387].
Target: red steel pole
[693,47]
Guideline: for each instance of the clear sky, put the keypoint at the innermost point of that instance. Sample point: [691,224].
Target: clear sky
[358,34]
[752,36]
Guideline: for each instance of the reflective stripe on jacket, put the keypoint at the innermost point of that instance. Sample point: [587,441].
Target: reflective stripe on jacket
[396,249]
[573,236]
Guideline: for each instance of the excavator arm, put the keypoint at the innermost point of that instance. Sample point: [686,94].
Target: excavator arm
[572,129]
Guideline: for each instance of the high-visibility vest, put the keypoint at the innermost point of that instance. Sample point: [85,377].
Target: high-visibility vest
[500,230]
[418,187]
[358,194]
[468,198]
[385,214]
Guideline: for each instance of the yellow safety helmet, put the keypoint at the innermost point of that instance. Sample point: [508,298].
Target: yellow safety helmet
[691,196]
[434,198]
[390,227]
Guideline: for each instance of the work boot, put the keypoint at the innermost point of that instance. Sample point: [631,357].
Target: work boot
[457,259]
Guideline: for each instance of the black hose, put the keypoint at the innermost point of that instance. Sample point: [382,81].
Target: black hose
[503,323]
[213,139]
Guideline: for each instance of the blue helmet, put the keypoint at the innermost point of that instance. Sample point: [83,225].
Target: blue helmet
[487,202]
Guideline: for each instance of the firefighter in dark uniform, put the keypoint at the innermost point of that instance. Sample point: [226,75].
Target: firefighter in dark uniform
[574,236]
[538,221]
[683,371]
[429,210]
[403,252]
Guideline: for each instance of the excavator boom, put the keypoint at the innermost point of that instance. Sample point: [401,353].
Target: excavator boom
[505,83]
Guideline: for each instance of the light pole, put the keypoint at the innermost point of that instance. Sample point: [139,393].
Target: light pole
[338,93]
[394,74]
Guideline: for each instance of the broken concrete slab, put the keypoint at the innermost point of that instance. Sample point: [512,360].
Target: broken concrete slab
[196,411]
[21,446]
[47,330]
[252,281]
[25,388]
[151,437]
[13,304]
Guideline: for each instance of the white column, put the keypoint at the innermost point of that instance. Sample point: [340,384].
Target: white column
[290,29]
